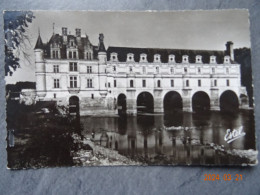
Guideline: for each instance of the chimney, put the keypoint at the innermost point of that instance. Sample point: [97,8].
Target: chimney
[64,34]
[230,50]
[78,32]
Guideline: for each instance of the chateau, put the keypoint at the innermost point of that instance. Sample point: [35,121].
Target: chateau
[124,80]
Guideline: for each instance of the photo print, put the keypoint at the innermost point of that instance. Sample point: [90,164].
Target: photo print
[92,88]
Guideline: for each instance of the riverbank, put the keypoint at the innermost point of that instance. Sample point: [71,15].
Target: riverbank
[91,154]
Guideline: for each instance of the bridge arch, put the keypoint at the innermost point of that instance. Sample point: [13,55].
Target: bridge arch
[228,101]
[172,102]
[145,102]
[200,101]
[121,104]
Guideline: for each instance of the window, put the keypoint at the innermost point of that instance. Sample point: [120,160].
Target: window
[92,96]
[114,67]
[55,68]
[199,83]
[89,83]
[144,70]
[187,83]
[73,66]
[89,69]
[144,83]
[56,83]
[215,83]
[74,54]
[71,43]
[130,69]
[158,83]
[157,69]
[213,70]
[227,70]
[227,82]
[70,55]
[73,82]
[199,70]
[172,83]
[55,54]
[54,95]
[108,85]
[185,70]
[131,83]
[114,83]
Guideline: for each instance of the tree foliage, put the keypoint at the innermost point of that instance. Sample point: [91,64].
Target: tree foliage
[16,39]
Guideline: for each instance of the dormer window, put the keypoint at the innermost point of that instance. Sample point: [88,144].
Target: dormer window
[198,59]
[171,58]
[55,54]
[143,57]
[227,59]
[185,59]
[71,43]
[114,57]
[157,58]
[130,57]
[212,59]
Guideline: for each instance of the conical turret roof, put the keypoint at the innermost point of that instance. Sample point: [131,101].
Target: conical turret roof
[39,44]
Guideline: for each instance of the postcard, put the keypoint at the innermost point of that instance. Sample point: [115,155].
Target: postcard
[105,88]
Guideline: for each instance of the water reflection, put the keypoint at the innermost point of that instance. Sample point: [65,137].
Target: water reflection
[178,138]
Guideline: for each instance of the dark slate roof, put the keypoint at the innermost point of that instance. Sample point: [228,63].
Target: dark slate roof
[123,51]
[39,44]
[81,43]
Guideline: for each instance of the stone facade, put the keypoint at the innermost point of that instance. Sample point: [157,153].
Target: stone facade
[69,66]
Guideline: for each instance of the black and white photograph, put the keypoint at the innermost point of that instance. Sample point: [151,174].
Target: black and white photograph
[112,88]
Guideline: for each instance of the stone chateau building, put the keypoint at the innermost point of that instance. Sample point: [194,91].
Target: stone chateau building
[122,80]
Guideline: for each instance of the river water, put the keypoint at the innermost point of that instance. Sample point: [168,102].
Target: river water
[180,138]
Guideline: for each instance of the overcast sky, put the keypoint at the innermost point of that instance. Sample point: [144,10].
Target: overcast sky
[207,30]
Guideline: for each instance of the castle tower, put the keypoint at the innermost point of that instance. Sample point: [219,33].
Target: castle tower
[40,68]
[102,59]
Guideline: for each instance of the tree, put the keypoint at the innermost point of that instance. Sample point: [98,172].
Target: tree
[16,39]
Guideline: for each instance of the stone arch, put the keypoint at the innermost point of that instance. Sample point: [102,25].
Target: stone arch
[74,105]
[172,102]
[121,104]
[200,101]
[228,101]
[145,103]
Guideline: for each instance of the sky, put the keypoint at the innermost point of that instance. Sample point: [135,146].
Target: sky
[206,30]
